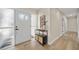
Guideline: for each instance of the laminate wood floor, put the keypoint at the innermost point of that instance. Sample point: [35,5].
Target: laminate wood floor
[68,41]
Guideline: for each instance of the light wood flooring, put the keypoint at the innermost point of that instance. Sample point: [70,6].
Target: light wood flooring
[68,41]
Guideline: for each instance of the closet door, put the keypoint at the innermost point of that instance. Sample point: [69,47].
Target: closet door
[6,28]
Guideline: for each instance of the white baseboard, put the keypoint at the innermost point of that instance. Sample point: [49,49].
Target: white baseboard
[55,39]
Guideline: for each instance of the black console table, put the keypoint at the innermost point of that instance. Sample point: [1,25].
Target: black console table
[41,36]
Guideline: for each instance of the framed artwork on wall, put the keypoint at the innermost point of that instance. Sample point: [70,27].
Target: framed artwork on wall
[42,22]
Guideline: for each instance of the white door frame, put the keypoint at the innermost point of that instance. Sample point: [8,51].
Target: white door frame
[64,24]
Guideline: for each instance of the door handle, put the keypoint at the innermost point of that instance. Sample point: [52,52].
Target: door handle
[16,28]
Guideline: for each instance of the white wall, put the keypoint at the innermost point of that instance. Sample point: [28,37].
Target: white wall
[54,26]
[55,29]
[72,23]
[43,11]
[78,24]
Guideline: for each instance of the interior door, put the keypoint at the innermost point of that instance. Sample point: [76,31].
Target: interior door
[23,27]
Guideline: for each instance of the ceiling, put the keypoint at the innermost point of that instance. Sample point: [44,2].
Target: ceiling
[69,11]
[66,11]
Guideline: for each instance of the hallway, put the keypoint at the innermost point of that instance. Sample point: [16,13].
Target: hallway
[66,42]
[19,25]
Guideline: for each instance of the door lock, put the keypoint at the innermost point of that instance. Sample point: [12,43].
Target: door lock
[16,28]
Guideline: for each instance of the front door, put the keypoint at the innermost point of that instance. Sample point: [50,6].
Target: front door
[23,27]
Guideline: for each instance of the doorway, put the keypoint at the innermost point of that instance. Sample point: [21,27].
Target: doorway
[33,25]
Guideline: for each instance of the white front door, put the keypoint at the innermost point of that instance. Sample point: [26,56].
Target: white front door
[23,27]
